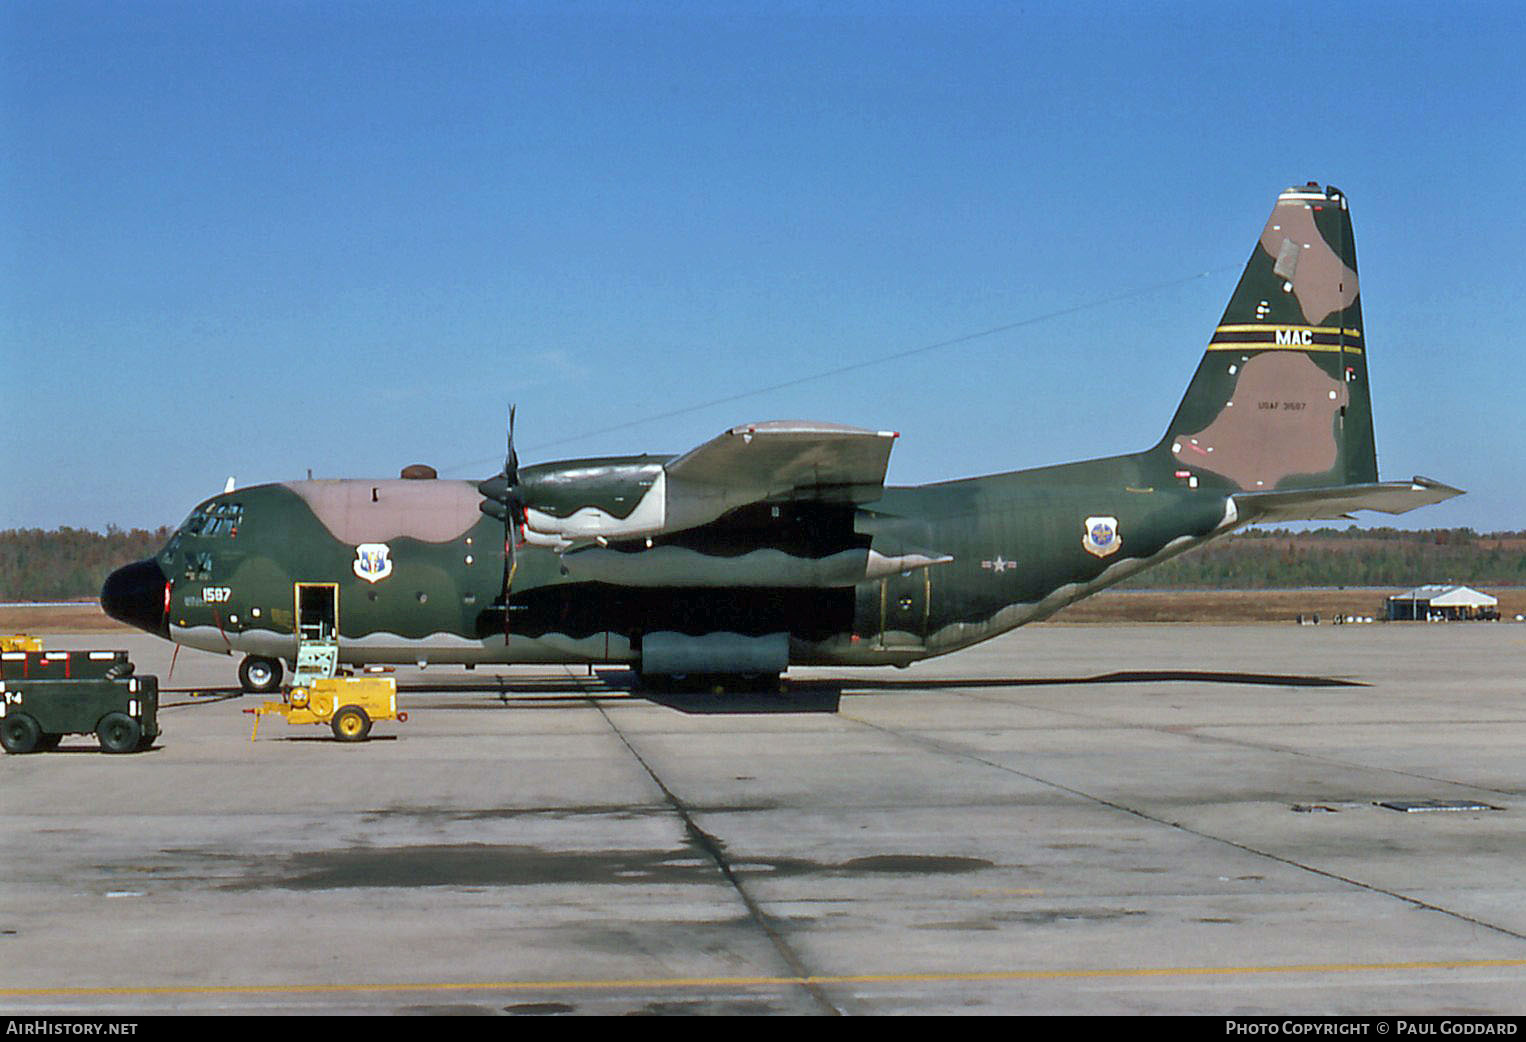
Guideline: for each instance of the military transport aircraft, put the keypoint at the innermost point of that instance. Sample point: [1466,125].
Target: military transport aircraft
[779,543]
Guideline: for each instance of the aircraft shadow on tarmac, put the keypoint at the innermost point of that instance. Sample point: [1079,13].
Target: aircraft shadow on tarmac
[621,685]
[813,695]
[822,695]
[791,697]
[1144,676]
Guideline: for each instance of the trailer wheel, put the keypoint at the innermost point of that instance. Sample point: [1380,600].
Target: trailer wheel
[118,733]
[259,675]
[19,733]
[351,724]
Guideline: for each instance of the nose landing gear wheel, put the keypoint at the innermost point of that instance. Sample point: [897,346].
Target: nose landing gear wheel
[259,675]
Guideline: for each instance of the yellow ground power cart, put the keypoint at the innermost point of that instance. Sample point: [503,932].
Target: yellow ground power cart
[19,642]
[349,705]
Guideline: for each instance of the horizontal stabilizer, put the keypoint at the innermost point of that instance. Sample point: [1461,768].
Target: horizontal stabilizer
[1336,502]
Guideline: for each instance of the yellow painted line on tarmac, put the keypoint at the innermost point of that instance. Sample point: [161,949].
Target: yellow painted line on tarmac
[1011,976]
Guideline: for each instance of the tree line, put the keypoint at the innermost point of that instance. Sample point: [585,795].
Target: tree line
[71,563]
[1267,558]
[67,564]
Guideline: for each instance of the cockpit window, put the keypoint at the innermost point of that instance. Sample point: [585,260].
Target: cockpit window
[215,520]
[198,567]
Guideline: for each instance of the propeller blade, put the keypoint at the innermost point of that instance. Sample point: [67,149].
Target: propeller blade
[507,504]
[511,458]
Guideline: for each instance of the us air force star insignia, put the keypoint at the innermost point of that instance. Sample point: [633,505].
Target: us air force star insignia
[371,562]
[999,565]
[1101,536]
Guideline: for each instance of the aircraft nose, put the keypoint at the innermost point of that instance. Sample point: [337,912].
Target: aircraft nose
[135,595]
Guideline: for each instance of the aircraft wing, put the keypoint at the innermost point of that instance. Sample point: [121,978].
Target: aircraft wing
[791,459]
[1336,502]
[785,461]
[778,460]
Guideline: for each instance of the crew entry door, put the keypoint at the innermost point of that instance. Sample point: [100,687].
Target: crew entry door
[318,611]
[317,631]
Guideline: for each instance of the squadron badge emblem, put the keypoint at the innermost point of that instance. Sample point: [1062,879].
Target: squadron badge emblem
[372,563]
[1101,536]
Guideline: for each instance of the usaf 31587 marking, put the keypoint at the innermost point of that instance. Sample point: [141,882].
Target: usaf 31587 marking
[779,543]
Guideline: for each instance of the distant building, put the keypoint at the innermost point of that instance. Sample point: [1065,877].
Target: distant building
[1442,602]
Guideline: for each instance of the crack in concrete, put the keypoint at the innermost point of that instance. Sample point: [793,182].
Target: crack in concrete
[715,850]
[953,750]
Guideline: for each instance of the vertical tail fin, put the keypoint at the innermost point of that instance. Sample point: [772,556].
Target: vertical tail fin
[1280,399]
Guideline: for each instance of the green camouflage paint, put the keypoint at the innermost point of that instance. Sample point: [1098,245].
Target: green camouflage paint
[783,535]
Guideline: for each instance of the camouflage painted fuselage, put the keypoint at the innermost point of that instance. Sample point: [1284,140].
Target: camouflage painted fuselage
[777,543]
[1017,543]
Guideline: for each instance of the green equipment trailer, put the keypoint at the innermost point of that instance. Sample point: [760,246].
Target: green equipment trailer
[45,695]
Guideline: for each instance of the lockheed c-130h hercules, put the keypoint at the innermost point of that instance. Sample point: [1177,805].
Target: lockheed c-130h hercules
[779,543]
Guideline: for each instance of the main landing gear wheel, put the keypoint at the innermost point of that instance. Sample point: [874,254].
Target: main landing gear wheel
[259,675]
[351,724]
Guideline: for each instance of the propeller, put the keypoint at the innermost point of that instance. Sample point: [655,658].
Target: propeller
[505,501]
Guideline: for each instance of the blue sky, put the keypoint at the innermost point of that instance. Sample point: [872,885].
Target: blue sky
[258,238]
